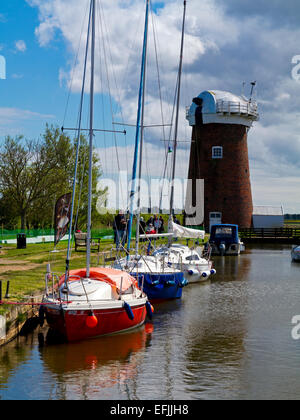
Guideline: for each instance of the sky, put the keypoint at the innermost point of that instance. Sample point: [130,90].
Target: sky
[227,43]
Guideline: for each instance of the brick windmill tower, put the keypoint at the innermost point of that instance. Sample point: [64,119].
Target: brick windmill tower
[219,155]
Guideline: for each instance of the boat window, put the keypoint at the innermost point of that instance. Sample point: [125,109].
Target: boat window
[193,258]
[223,232]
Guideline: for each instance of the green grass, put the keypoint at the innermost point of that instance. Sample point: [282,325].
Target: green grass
[32,261]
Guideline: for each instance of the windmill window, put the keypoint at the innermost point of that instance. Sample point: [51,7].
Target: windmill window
[217,152]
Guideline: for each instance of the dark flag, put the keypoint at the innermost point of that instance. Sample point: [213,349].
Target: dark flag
[62,217]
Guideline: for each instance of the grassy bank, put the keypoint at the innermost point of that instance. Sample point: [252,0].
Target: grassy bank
[25,268]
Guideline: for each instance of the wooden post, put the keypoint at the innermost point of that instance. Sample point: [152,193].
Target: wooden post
[7,290]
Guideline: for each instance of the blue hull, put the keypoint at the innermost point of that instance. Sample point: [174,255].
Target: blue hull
[159,287]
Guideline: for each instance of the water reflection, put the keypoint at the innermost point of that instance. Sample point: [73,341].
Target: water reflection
[12,356]
[85,369]
[215,350]
[227,339]
[232,268]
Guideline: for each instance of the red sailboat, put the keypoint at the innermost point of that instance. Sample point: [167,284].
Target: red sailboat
[107,302]
[92,302]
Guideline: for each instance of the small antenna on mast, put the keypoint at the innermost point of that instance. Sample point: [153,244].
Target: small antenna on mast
[253,84]
[243,88]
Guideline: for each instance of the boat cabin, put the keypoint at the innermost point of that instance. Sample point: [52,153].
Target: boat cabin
[224,240]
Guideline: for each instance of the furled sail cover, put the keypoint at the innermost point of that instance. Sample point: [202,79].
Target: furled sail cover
[111,276]
[183,232]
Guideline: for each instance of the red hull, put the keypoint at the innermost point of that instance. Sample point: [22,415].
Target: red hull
[72,324]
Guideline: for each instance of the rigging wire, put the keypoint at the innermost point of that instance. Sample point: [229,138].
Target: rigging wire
[108,54]
[75,64]
[102,97]
[101,30]
[116,85]
[157,66]
[164,175]
[158,73]
[78,147]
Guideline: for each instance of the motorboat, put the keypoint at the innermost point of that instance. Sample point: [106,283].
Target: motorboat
[195,266]
[224,240]
[295,253]
[194,261]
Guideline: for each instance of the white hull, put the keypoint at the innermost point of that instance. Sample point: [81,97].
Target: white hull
[195,268]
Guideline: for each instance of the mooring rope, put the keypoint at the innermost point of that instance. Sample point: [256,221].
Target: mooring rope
[30,303]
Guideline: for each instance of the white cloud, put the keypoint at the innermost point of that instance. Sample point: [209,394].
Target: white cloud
[17,76]
[11,118]
[20,46]
[117,170]
[16,113]
[226,43]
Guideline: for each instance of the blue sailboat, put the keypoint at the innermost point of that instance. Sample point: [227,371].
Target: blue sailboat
[155,276]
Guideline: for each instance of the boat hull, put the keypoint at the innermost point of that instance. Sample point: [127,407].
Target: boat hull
[233,249]
[198,273]
[196,278]
[161,287]
[72,324]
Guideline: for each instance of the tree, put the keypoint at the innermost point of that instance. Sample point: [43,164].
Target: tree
[8,215]
[34,174]
[32,171]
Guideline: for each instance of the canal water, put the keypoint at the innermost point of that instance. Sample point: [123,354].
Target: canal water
[228,339]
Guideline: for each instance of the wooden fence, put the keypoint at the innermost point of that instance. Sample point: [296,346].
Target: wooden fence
[288,235]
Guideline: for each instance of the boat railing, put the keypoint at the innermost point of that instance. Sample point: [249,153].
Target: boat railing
[207,252]
[142,285]
[55,280]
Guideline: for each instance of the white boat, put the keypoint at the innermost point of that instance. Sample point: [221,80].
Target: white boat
[195,264]
[195,267]
[295,253]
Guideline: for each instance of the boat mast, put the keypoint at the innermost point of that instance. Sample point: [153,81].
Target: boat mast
[141,151]
[91,134]
[177,116]
[139,128]
[77,151]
